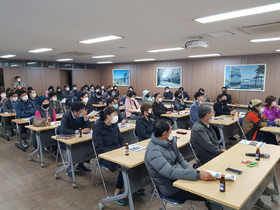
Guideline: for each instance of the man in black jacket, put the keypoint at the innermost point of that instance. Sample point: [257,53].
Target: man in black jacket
[70,124]
[221,108]
[224,92]
[159,108]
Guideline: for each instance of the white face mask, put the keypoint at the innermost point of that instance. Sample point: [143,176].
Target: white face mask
[213,117]
[74,88]
[85,100]
[170,137]
[15,99]
[97,90]
[33,95]
[116,88]
[167,91]
[54,98]
[19,79]
[130,89]
[132,99]
[112,88]
[273,104]
[115,119]
[92,88]
[67,89]
[3,95]
[262,109]
[25,98]
[102,87]
[58,89]
[160,99]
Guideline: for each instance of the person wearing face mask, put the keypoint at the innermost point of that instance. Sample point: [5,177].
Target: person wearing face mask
[91,87]
[107,93]
[9,107]
[159,108]
[113,102]
[203,138]
[254,120]
[54,103]
[205,95]
[165,164]
[71,121]
[271,109]
[130,88]
[167,94]
[178,103]
[97,98]
[67,95]
[44,110]
[199,98]
[32,96]
[185,95]
[102,89]
[131,104]
[96,89]
[19,82]
[116,90]
[221,108]
[50,89]
[3,98]
[88,105]
[144,124]
[59,93]
[147,99]
[224,92]
[74,92]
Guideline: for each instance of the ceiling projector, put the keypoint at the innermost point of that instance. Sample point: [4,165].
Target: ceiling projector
[197,44]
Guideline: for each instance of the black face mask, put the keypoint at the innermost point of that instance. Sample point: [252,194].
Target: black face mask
[224,92]
[224,101]
[45,106]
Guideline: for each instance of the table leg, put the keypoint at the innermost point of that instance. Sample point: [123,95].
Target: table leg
[40,148]
[222,139]
[67,166]
[19,145]
[275,182]
[36,150]
[4,135]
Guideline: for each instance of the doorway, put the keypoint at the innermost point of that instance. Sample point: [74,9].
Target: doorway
[66,78]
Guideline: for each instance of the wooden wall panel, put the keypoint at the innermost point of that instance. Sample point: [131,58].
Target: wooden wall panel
[52,77]
[92,76]
[79,77]
[64,78]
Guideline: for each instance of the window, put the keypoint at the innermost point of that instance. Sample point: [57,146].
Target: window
[91,66]
[32,64]
[13,63]
[65,65]
[49,64]
[79,66]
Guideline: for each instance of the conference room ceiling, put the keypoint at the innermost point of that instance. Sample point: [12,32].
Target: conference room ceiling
[143,24]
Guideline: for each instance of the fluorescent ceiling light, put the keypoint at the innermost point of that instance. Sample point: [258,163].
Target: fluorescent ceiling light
[146,59]
[104,56]
[14,65]
[167,49]
[103,62]
[278,50]
[100,39]
[31,62]
[40,50]
[7,56]
[65,59]
[266,39]
[239,13]
[205,55]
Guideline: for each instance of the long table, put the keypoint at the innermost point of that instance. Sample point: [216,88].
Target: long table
[244,192]
[176,116]
[5,117]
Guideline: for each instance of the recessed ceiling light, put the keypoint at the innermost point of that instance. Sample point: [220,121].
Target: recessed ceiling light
[100,39]
[205,55]
[239,13]
[7,56]
[146,59]
[278,50]
[104,62]
[266,39]
[165,50]
[31,62]
[104,56]
[65,59]
[40,50]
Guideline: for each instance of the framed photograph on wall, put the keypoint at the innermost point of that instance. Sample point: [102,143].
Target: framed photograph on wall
[121,77]
[169,76]
[249,77]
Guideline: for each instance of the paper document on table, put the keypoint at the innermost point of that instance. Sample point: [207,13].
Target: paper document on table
[136,148]
[28,118]
[220,118]
[124,126]
[218,175]
[93,113]
[252,143]
[88,134]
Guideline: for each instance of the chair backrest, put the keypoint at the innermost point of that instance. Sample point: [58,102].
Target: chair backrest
[57,130]
[135,135]
[31,120]
[194,154]
[239,122]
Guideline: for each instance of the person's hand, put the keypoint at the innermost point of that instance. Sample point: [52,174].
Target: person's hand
[168,112]
[123,122]
[187,109]
[47,123]
[101,102]
[84,113]
[86,130]
[90,117]
[277,121]
[206,176]
[223,149]
[232,113]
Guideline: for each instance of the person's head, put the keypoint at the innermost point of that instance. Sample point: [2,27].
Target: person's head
[115,87]
[92,87]
[86,87]
[206,113]
[97,88]
[58,89]
[222,98]
[98,94]
[74,87]
[166,89]
[112,102]
[158,97]
[109,114]
[256,105]
[51,88]
[146,93]
[270,101]
[181,89]
[3,94]
[32,94]
[83,89]
[84,97]
[224,90]
[146,110]
[108,88]
[17,78]
[22,94]
[53,96]
[201,90]
[132,95]
[77,108]
[66,87]
[43,102]
[13,96]
[130,88]
[102,86]
[199,96]
[178,94]
[163,130]
[18,86]
[29,89]
[112,93]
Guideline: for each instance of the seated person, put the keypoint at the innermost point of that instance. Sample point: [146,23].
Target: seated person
[32,96]
[205,95]
[59,93]
[113,102]
[271,109]
[144,124]
[88,105]
[74,92]
[254,120]
[159,108]
[199,98]
[3,98]
[203,138]
[221,108]
[44,109]
[54,103]
[66,94]
[97,98]
[116,90]
[167,94]
[9,105]
[107,93]
[165,164]
[185,95]
[131,104]
[107,137]
[96,89]
[147,98]
[19,82]
[130,88]
[224,92]
[178,103]
[50,89]
[71,121]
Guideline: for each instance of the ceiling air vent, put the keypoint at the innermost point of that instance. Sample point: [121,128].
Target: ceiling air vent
[73,53]
[262,29]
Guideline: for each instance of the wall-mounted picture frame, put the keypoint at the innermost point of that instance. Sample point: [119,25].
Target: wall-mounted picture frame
[249,77]
[121,77]
[169,76]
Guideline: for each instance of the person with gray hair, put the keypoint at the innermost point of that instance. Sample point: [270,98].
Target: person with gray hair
[203,138]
